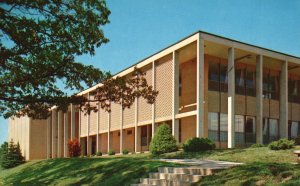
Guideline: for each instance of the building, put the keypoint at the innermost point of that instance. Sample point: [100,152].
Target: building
[234,93]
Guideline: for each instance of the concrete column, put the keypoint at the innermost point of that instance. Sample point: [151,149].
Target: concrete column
[109,140]
[200,88]
[175,123]
[121,130]
[72,121]
[48,137]
[54,133]
[283,117]
[231,98]
[98,123]
[153,105]
[88,149]
[66,134]
[79,125]
[137,137]
[59,135]
[259,99]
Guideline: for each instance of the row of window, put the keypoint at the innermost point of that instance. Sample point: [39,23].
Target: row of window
[245,128]
[245,82]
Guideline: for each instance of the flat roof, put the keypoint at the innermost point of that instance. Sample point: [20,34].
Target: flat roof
[199,31]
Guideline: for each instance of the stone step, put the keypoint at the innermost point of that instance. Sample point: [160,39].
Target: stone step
[176,177]
[141,184]
[164,182]
[189,170]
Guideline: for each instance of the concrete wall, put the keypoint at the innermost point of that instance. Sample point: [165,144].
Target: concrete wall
[18,131]
[188,128]
[103,146]
[128,139]
[38,139]
[31,135]
[188,76]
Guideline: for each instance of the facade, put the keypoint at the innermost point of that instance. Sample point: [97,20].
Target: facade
[209,86]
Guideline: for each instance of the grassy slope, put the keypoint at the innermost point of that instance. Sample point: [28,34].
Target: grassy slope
[80,171]
[262,167]
[247,155]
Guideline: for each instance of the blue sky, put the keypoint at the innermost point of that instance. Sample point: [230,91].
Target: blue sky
[141,28]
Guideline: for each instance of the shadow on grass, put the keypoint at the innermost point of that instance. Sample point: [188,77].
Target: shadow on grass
[91,171]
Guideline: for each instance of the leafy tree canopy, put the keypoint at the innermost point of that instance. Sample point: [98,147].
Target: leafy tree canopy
[39,42]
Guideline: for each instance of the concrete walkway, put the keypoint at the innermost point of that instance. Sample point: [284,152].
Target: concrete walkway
[191,172]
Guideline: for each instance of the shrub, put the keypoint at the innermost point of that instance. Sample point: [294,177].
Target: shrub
[111,152]
[198,144]
[163,141]
[282,144]
[74,148]
[10,155]
[297,140]
[98,153]
[257,145]
[125,151]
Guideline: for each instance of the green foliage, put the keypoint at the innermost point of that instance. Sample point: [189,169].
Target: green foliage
[198,144]
[98,153]
[10,155]
[108,171]
[125,151]
[282,144]
[257,145]
[297,140]
[42,39]
[163,141]
[74,148]
[111,152]
[256,173]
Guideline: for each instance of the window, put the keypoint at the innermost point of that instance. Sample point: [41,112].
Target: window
[250,82]
[129,132]
[293,90]
[180,85]
[250,136]
[273,129]
[294,129]
[213,76]
[217,126]
[223,127]
[179,134]
[271,85]
[270,130]
[240,81]
[213,126]
[274,87]
[223,78]
[239,129]
[144,131]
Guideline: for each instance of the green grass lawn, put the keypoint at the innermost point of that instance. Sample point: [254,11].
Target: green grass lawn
[246,155]
[262,167]
[256,173]
[80,171]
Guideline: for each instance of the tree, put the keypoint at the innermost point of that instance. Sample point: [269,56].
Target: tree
[39,42]
[163,141]
[3,152]
[11,155]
